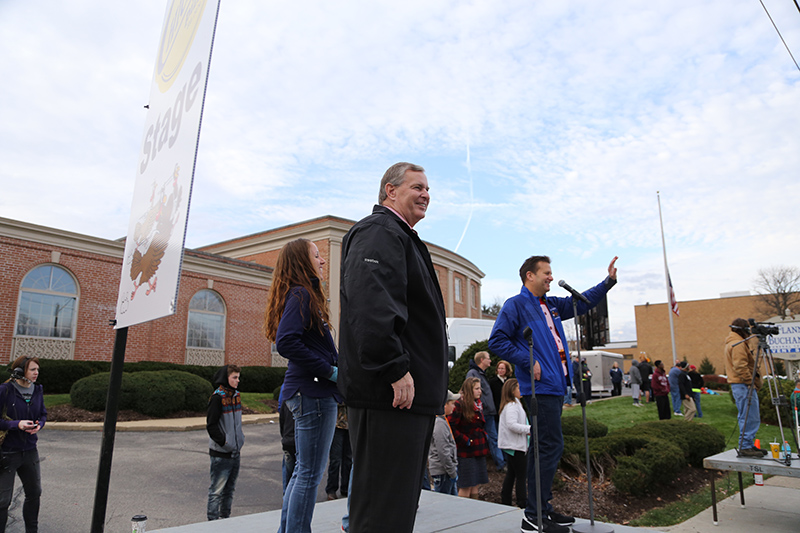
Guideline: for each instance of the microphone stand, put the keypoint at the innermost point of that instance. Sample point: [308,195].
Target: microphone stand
[534,408]
[591,527]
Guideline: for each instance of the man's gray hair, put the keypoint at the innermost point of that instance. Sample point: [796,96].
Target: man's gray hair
[396,175]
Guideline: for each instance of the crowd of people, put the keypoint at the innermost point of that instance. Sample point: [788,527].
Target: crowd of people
[377,411]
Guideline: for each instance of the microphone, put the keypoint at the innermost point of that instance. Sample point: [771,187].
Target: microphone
[527,333]
[575,294]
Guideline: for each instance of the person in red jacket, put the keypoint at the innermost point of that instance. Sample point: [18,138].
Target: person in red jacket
[467,423]
[659,385]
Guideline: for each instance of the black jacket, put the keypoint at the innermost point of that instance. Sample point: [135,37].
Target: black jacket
[685,385]
[392,317]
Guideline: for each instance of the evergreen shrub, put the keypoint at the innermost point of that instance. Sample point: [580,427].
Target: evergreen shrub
[573,425]
[459,371]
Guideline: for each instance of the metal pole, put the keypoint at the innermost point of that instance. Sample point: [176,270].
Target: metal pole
[534,408]
[669,294]
[591,527]
[109,432]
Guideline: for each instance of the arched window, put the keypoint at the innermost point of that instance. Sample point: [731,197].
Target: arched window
[47,303]
[206,321]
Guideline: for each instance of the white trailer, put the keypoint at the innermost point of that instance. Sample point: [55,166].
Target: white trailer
[600,363]
[462,332]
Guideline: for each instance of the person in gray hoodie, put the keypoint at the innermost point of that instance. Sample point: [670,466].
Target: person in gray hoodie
[636,382]
[226,438]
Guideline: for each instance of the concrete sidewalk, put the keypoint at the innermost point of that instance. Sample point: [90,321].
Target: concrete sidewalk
[773,508]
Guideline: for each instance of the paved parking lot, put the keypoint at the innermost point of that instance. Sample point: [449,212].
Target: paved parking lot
[163,475]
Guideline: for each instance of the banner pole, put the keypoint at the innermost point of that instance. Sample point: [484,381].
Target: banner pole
[109,432]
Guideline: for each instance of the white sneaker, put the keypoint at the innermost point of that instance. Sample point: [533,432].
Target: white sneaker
[678,414]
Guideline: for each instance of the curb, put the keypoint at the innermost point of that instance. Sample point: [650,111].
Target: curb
[160,424]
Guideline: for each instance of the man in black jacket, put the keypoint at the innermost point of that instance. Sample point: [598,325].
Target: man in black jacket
[393,353]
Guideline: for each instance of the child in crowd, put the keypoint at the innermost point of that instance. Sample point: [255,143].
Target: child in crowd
[224,426]
[513,440]
[442,457]
[467,423]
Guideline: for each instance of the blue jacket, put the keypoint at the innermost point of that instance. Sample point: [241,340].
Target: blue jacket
[16,408]
[524,310]
[312,355]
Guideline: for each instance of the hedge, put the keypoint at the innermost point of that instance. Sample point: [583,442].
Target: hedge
[644,455]
[57,376]
[459,371]
[573,425]
[153,393]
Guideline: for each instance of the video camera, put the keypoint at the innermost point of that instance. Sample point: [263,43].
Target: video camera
[763,329]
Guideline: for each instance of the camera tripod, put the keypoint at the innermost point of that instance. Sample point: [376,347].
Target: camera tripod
[764,353]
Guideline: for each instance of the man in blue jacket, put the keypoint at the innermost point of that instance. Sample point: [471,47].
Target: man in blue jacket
[551,370]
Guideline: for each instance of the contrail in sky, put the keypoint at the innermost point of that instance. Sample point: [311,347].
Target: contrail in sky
[471,203]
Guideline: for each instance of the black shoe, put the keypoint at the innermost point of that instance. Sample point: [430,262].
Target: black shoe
[751,452]
[561,519]
[548,526]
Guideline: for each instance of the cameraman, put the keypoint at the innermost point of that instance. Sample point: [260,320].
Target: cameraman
[740,366]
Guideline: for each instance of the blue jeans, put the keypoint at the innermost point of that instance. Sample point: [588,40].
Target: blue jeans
[26,466]
[224,472]
[696,396]
[747,427]
[341,460]
[314,422]
[445,484]
[551,445]
[675,394]
[491,434]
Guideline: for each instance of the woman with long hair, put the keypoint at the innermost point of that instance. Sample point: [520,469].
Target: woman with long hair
[297,322]
[24,414]
[467,423]
[512,438]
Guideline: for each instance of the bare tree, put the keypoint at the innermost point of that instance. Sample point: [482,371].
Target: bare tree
[779,290]
[494,309]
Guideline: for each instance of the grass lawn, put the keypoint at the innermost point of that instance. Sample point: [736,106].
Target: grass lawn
[253,401]
[51,400]
[718,411]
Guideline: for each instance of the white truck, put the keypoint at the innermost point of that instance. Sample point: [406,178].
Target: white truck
[600,363]
[462,332]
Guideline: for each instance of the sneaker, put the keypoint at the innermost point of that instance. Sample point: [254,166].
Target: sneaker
[677,414]
[751,452]
[561,519]
[548,526]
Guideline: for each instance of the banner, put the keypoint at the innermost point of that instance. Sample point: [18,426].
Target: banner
[151,267]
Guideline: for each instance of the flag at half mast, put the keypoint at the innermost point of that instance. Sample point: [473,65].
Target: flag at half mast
[673,302]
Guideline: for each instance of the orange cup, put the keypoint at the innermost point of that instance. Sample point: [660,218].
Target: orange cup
[776,449]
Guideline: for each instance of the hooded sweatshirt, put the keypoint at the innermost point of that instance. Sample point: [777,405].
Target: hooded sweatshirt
[224,418]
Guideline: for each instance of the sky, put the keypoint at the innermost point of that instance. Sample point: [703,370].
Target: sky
[544,128]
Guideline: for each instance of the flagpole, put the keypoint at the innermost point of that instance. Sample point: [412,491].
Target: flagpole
[666,281]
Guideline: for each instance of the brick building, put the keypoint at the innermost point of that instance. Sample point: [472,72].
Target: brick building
[700,330]
[58,292]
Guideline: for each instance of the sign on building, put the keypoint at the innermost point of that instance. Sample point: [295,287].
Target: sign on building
[787,340]
[151,266]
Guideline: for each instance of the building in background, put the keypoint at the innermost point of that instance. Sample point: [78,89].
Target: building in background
[58,292]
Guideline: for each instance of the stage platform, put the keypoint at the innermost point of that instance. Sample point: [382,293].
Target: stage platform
[437,512]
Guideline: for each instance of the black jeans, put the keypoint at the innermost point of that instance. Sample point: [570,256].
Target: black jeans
[517,473]
[340,460]
[26,466]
